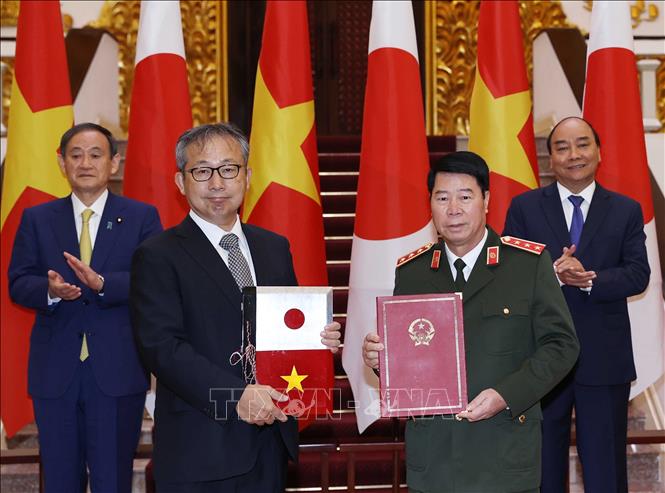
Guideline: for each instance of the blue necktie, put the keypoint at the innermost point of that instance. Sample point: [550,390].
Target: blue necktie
[577,223]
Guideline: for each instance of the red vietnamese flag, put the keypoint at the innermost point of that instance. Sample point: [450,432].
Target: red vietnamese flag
[289,354]
[612,105]
[159,112]
[284,187]
[40,112]
[392,210]
[501,118]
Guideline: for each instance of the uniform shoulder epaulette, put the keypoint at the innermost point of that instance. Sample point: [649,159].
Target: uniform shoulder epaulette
[410,256]
[526,245]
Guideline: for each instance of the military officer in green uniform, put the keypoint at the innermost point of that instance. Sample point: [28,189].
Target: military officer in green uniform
[519,338]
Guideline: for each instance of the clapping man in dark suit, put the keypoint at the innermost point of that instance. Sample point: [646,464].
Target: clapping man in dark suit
[70,263]
[215,430]
[597,238]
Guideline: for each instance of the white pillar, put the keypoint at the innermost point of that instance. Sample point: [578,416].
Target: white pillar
[647,70]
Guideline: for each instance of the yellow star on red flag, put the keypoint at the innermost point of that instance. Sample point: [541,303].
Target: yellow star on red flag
[501,120]
[294,380]
[276,155]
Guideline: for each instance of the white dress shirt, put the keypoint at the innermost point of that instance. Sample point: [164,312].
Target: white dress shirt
[586,194]
[469,259]
[97,209]
[93,224]
[568,208]
[214,234]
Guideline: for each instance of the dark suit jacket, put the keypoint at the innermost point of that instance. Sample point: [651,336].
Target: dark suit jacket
[612,245]
[186,313]
[519,340]
[45,232]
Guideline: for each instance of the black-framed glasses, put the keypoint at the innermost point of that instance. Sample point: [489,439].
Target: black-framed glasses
[204,173]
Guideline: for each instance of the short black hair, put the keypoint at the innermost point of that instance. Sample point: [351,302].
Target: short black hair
[465,162]
[83,127]
[596,137]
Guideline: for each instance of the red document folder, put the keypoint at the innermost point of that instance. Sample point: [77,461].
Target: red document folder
[423,366]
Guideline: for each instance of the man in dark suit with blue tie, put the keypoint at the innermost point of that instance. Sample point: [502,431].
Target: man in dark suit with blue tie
[216,430]
[70,263]
[597,238]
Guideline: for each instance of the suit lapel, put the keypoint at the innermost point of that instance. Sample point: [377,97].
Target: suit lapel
[107,236]
[197,245]
[482,274]
[555,218]
[64,226]
[598,209]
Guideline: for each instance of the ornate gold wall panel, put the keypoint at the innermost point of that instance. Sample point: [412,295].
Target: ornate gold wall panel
[204,30]
[451,33]
[9,17]
[7,76]
[121,19]
[9,12]
[660,92]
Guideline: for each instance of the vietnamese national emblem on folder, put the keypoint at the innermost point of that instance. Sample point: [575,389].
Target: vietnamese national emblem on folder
[423,367]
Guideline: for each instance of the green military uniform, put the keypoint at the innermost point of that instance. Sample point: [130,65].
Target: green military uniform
[520,341]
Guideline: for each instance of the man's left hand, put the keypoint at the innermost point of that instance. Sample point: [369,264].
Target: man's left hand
[570,271]
[86,275]
[331,336]
[486,404]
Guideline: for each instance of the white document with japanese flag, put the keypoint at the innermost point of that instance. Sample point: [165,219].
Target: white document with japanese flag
[290,357]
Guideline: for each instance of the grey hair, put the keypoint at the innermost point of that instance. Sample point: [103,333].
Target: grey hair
[203,134]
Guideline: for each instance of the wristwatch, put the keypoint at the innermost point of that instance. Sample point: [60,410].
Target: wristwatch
[101,278]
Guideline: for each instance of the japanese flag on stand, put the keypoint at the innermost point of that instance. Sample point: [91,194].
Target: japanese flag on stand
[159,111]
[612,105]
[392,209]
[289,354]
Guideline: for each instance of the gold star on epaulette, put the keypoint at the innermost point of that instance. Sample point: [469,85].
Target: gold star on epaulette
[526,245]
[410,256]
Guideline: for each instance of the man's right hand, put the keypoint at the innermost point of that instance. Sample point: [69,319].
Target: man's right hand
[256,405]
[371,347]
[570,270]
[58,288]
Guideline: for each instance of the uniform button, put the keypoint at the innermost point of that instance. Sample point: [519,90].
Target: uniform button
[86,302]
[522,418]
[506,311]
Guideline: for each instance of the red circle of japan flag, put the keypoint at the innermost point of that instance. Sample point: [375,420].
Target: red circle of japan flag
[294,318]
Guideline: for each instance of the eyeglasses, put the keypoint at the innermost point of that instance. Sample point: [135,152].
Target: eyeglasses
[204,173]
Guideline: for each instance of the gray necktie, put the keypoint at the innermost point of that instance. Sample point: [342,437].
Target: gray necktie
[237,263]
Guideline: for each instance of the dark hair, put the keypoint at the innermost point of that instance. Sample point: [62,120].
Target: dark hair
[83,127]
[465,162]
[203,134]
[596,137]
